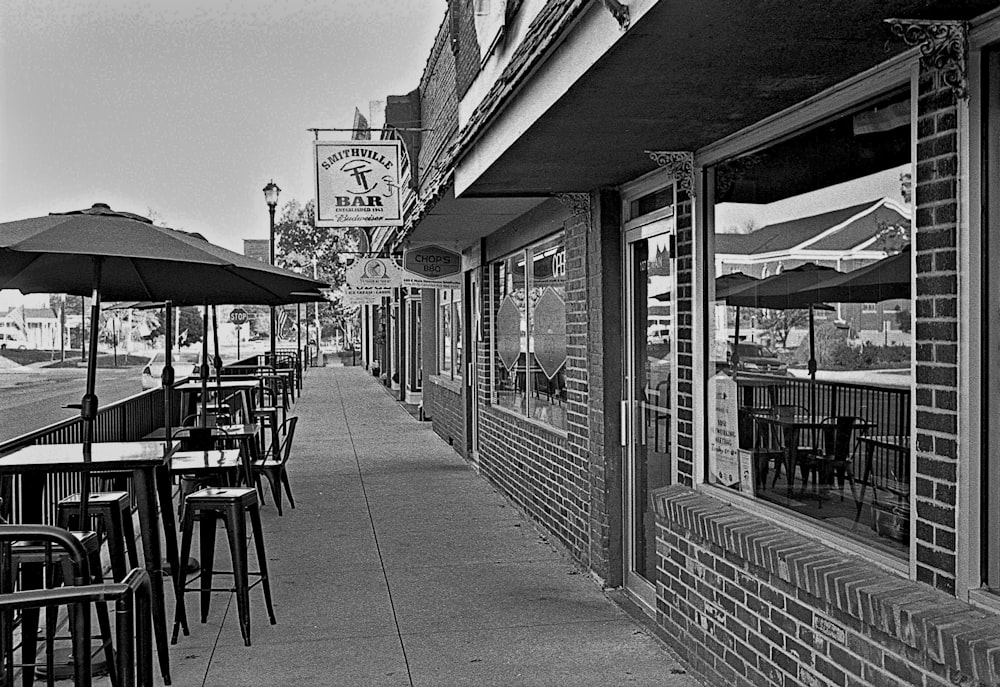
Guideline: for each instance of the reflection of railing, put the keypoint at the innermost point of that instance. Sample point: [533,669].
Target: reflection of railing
[886,409]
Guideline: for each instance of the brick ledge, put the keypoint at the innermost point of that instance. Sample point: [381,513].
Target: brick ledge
[945,630]
[446,383]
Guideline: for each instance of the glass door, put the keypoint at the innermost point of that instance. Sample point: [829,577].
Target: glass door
[473,336]
[650,379]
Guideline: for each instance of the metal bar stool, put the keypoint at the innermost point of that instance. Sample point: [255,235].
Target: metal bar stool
[72,557]
[114,508]
[231,505]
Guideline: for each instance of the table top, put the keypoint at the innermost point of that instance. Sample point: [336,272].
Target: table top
[194,461]
[234,431]
[114,455]
[800,421]
[195,384]
[891,441]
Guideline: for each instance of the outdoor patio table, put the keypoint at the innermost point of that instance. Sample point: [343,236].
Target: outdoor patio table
[899,445]
[246,434]
[790,428]
[147,461]
[193,386]
[205,462]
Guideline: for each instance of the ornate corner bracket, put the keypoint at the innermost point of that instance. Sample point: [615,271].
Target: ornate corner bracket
[943,45]
[619,12]
[680,165]
[578,203]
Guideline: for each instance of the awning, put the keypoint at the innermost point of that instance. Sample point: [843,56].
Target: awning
[687,73]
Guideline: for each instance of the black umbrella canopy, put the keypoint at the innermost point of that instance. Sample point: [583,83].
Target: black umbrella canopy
[783,291]
[879,281]
[139,261]
[123,256]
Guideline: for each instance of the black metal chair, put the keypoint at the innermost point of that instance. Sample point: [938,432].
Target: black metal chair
[52,556]
[273,466]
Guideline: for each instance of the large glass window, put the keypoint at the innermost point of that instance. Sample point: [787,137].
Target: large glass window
[529,332]
[450,332]
[809,378]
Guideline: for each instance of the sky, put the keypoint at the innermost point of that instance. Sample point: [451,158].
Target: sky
[187,108]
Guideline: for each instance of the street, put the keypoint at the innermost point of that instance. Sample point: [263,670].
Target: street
[34,399]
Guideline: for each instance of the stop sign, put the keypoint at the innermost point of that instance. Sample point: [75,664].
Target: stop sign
[238,316]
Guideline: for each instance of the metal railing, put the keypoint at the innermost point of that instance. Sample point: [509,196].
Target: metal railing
[886,410]
[129,419]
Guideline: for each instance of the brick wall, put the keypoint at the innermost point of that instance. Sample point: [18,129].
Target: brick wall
[937,448]
[464,44]
[542,470]
[684,265]
[438,102]
[604,385]
[747,602]
[443,404]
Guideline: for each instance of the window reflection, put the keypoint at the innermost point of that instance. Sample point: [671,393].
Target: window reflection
[530,332]
[809,375]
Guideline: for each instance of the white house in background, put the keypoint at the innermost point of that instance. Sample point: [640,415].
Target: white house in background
[35,328]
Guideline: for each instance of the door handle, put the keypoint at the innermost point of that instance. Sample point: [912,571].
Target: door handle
[624,422]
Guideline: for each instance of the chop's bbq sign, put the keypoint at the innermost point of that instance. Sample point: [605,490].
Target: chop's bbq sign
[357,183]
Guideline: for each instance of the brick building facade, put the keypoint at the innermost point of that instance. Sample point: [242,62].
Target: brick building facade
[615,450]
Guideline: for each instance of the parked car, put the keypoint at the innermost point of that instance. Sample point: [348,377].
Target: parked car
[185,365]
[8,340]
[755,357]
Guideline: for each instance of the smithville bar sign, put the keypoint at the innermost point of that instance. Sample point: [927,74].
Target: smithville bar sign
[432,267]
[357,183]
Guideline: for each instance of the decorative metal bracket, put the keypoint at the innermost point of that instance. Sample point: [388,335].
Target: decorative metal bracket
[680,165]
[944,46]
[578,203]
[619,12]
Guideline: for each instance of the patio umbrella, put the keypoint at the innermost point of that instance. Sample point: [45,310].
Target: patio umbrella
[879,281]
[724,285]
[784,291]
[122,256]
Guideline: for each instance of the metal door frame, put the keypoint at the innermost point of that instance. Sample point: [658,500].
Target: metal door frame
[641,589]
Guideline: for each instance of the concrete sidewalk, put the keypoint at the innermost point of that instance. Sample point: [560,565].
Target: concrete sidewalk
[401,566]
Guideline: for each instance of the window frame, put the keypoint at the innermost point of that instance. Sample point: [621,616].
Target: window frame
[496,290]
[898,72]
[450,343]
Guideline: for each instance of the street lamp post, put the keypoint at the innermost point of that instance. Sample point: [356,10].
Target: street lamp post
[271,192]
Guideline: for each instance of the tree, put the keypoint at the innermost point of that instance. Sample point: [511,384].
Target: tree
[781,322]
[304,248]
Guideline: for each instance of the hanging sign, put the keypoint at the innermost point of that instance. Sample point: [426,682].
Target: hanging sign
[432,267]
[369,280]
[357,184]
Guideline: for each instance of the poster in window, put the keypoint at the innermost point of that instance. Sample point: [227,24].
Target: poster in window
[723,432]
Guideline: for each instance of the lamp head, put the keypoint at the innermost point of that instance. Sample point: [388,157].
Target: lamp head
[271,192]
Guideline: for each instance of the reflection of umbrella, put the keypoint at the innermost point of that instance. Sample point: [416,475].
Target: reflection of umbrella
[784,292]
[724,285]
[888,278]
[122,256]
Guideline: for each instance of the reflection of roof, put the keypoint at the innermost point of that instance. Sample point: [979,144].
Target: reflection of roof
[837,230]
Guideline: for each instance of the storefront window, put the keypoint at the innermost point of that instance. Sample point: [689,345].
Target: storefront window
[450,332]
[529,340]
[809,379]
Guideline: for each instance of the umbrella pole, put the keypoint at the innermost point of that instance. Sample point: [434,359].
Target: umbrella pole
[812,361]
[736,343]
[204,366]
[89,403]
[168,375]
[218,358]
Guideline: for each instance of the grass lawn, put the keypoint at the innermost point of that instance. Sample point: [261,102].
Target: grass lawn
[72,358]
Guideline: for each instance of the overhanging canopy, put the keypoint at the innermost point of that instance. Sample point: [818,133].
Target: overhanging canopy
[685,74]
